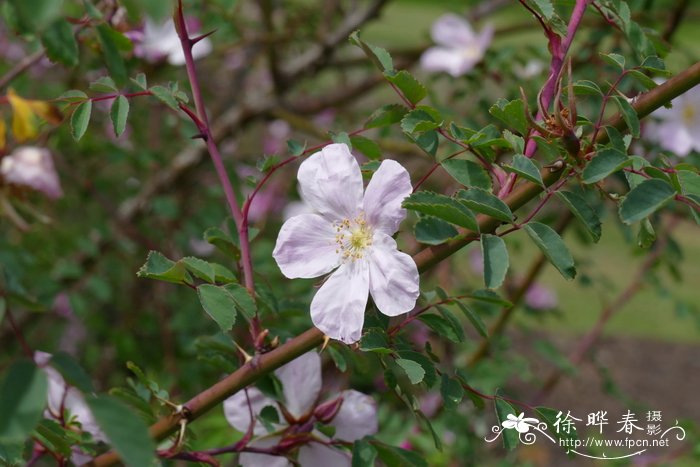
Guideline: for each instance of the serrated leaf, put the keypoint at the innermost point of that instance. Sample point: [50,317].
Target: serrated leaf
[413,370]
[104,84]
[374,340]
[524,167]
[583,212]
[60,44]
[165,95]
[468,173]
[295,148]
[428,142]
[628,114]
[604,163]
[125,431]
[645,199]
[443,207]
[222,241]
[161,268]
[219,305]
[200,268]
[512,113]
[409,86]
[443,327]
[496,262]
[366,146]
[433,231]
[473,318]
[386,115]
[553,248]
[420,120]
[380,57]
[482,201]
[80,119]
[614,59]
[119,114]
[430,377]
[140,81]
[244,302]
[586,87]
[109,40]
[22,400]
[73,95]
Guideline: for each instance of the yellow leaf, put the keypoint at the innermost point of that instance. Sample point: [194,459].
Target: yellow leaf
[46,111]
[24,123]
[3,138]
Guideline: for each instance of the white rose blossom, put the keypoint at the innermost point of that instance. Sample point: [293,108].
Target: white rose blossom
[678,128]
[458,47]
[350,233]
[32,167]
[353,414]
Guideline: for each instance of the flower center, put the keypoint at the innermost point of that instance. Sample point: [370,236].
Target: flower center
[471,52]
[353,237]
[688,114]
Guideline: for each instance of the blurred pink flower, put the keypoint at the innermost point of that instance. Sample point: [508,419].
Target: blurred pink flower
[276,136]
[160,41]
[540,297]
[678,128]
[458,47]
[476,261]
[32,167]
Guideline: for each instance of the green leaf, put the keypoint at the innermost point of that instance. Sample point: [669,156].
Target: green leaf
[140,81]
[428,142]
[443,207]
[109,40]
[473,318]
[73,95]
[393,456]
[72,372]
[60,43]
[614,59]
[452,392]
[443,327]
[553,248]
[421,120]
[366,146]
[363,454]
[12,454]
[645,199]
[126,432]
[489,296]
[295,148]
[165,95]
[646,236]
[607,161]
[430,377]
[379,56]
[413,370]
[200,268]
[80,119]
[119,114]
[219,304]
[583,212]
[340,363]
[585,87]
[503,409]
[468,173]
[22,400]
[244,302]
[160,268]
[484,202]
[54,437]
[104,84]
[495,254]
[36,15]
[433,231]
[409,86]
[642,79]
[689,181]
[628,114]
[374,340]
[524,167]
[512,113]
[386,115]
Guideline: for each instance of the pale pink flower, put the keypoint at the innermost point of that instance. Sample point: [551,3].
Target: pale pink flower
[276,136]
[32,167]
[540,297]
[351,234]
[353,414]
[458,47]
[678,128]
[160,41]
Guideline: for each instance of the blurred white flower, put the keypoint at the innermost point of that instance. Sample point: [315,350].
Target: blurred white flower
[276,136]
[353,414]
[540,297]
[32,167]
[351,233]
[458,47]
[531,69]
[678,128]
[160,41]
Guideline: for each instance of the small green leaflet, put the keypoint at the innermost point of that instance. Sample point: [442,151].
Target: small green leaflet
[645,199]
[443,207]
[524,167]
[512,113]
[495,255]
[219,304]
[583,212]
[413,370]
[409,86]
[80,119]
[433,231]
[553,248]
[119,114]
[484,202]
[22,400]
[604,163]
[468,173]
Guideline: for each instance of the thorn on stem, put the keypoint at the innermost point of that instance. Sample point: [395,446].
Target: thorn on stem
[194,40]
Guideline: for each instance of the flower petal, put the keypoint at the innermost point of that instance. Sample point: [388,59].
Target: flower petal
[393,277]
[338,309]
[306,247]
[301,382]
[331,182]
[356,418]
[437,59]
[251,459]
[237,411]
[389,186]
[451,30]
[319,455]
